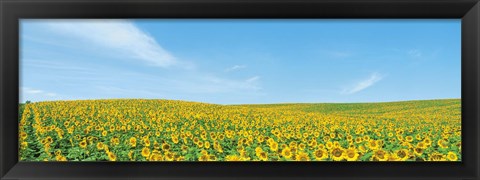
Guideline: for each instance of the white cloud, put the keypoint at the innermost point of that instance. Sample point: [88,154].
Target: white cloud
[252,79]
[236,67]
[27,93]
[116,36]
[32,91]
[415,53]
[363,84]
[51,94]
[53,65]
[123,39]
[213,84]
[128,92]
[339,54]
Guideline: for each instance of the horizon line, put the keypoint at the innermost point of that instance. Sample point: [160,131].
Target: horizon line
[358,102]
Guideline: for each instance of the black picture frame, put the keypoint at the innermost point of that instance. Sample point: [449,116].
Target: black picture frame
[13,10]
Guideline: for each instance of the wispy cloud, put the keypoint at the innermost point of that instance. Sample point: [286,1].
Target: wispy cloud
[51,94]
[32,91]
[363,84]
[36,93]
[213,84]
[236,67]
[121,40]
[117,36]
[57,66]
[252,79]
[131,92]
[339,54]
[415,53]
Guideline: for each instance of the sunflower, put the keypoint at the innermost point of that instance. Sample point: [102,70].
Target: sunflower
[409,138]
[336,144]
[83,144]
[221,137]
[362,149]
[105,148]
[442,143]
[351,154]
[184,148]
[427,141]
[366,138]
[358,140]
[337,154]
[258,150]
[274,146]
[293,144]
[329,145]
[169,156]
[332,135]
[219,148]
[320,154]
[326,138]
[196,140]
[260,139]
[436,157]
[451,156]
[418,151]
[390,134]
[146,141]
[165,146]
[130,155]
[298,136]
[145,152]
[203,157]
[287,153]
[24,145]
[155,156]
[200,144]
[49,139]
[58,152]
[175,139]
[180,158]
[60,158]
[100,146]
[114,141]
[301,146]
[302,156]
[305,135]
[156,145]
[380,155]
[402,154]
[373,145]
[233,158]
[321,146]
[393,157]
[212,157]
[23,135]
[422,145]
[111,156]
[263,156]
[133,141]
[418,137]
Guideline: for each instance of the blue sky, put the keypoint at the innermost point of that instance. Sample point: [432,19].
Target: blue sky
[240,61]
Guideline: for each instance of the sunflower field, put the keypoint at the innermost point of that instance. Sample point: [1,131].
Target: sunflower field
[172,130]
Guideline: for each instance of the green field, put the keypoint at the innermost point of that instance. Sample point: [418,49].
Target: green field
[140,130]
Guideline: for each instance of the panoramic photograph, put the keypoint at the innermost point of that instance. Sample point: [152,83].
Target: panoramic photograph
[240,90]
